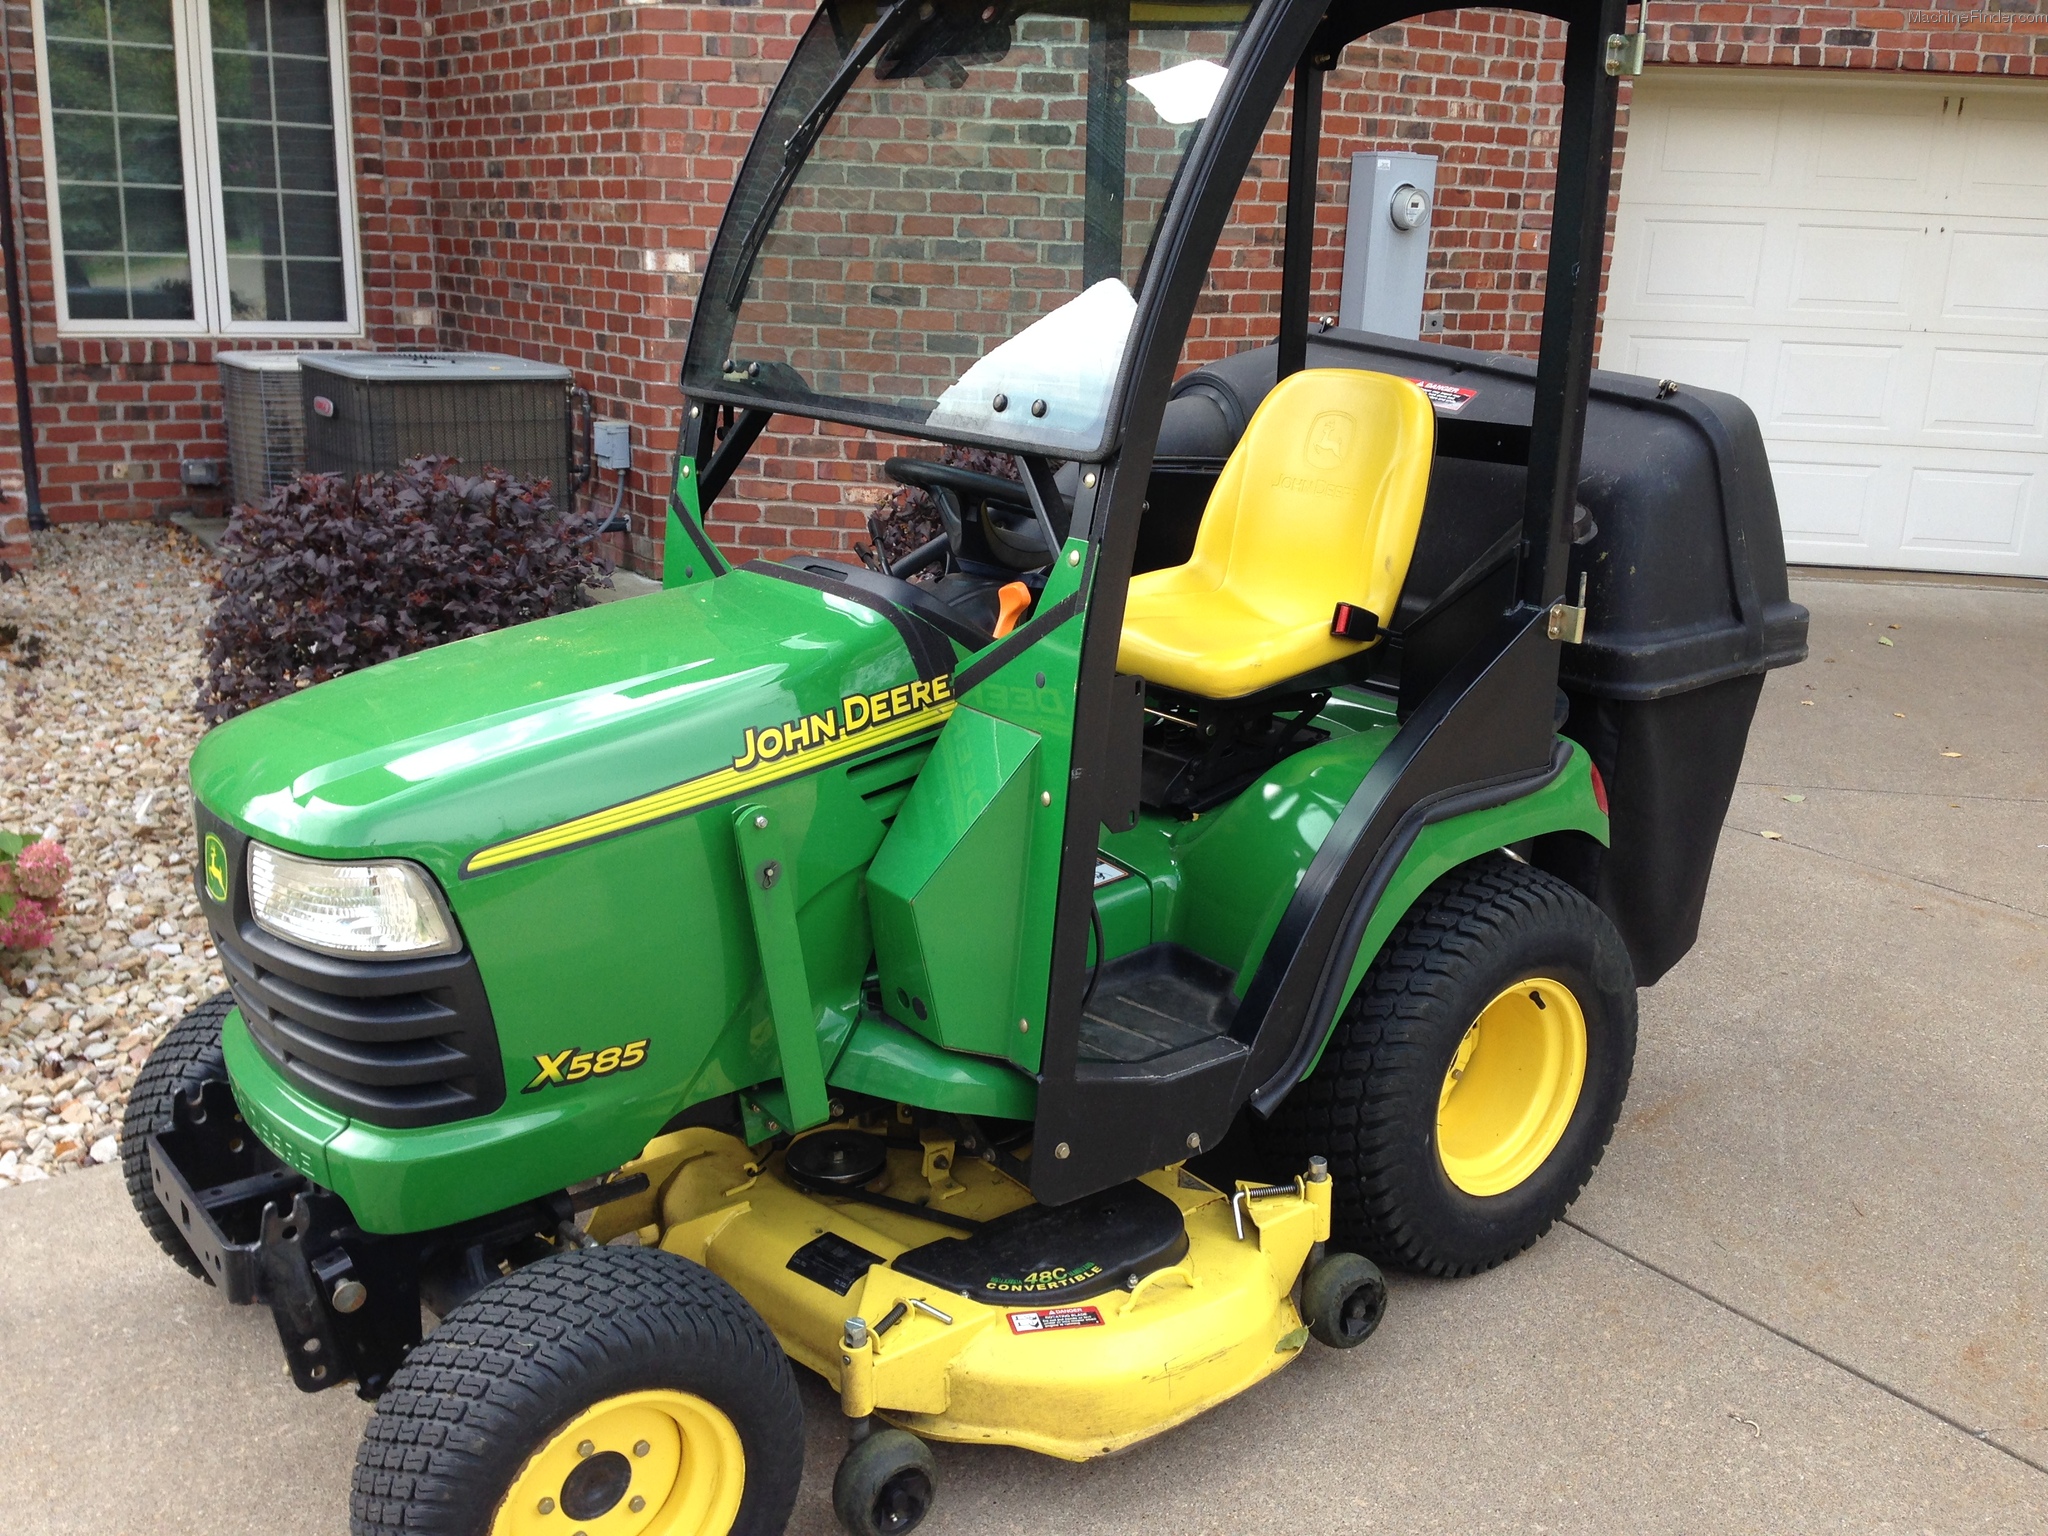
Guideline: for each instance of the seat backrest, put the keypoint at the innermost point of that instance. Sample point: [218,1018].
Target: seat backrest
[1320,500]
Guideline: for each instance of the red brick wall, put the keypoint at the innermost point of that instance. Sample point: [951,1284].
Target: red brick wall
[545,178]
[553,231]
[576,157]
[888,271]
[1988,37]
[1484,98]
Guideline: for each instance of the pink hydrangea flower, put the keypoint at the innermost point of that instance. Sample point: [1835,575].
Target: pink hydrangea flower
[27,927]
[41,869]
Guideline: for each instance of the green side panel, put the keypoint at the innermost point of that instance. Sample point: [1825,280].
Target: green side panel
[886,1060]
[1147,848]
[1035,691]
[682,561]
[1222,882]
[1357,709]
[946,891]
[1239,865]
[1124,908]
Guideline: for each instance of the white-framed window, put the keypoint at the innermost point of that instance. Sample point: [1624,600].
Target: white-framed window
[198,167]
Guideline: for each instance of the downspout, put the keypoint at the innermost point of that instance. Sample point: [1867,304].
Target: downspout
[17,319]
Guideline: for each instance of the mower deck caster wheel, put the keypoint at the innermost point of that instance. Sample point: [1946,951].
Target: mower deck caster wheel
[885,1484]
[1343,1299]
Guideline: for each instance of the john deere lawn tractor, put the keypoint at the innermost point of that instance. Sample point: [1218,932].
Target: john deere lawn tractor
[1034,987]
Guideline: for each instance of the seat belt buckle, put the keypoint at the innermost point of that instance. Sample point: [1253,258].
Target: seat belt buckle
[1351,622]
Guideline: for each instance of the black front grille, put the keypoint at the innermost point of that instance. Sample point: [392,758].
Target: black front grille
[398,1043]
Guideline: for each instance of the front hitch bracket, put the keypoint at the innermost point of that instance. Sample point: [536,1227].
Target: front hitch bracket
[346,1302]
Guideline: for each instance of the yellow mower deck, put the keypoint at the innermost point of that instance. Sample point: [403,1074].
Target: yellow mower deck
[1073,1379]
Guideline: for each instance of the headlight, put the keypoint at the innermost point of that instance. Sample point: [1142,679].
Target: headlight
[387,907]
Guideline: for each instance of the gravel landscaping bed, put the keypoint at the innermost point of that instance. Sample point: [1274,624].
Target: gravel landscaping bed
[93,747]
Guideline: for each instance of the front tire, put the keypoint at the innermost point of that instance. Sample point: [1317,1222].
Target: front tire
[185,1060]
[1472,1085]
[621,1389]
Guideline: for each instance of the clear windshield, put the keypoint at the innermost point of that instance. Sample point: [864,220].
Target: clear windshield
[947,209]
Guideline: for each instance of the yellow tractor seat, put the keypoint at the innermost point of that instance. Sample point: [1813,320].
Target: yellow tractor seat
[1317,506]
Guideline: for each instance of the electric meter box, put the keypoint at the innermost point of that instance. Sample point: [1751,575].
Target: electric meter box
[1386,243]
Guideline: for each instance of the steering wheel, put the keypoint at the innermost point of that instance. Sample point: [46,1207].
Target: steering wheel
[999,511]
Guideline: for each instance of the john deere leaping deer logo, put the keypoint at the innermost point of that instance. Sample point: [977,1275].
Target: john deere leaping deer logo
[216,860]
[1329,438]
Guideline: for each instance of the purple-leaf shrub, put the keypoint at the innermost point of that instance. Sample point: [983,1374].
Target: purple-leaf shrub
[329,575]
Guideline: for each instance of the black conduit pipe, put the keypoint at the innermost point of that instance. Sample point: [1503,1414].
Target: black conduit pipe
[17,326]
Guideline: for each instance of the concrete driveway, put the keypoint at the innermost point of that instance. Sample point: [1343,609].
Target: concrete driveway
[1808,1290]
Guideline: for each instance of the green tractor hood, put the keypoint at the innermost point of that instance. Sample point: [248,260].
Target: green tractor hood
[464,748]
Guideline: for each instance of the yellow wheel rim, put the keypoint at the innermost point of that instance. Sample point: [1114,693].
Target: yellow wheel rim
[641,1464]
[1512,1087]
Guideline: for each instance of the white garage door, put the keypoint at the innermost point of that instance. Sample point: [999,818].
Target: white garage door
[1866,263]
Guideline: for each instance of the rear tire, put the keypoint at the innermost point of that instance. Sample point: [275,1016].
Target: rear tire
[187,1058]
[1485,934]
[581,1383]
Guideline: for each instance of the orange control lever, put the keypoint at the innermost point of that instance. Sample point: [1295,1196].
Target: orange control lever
[1013,600]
